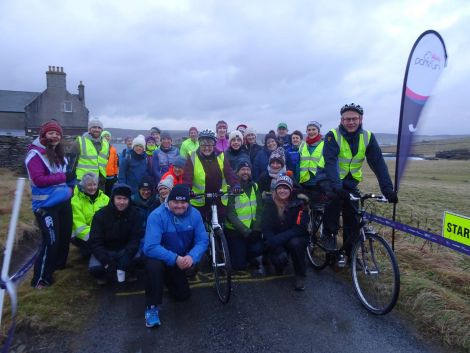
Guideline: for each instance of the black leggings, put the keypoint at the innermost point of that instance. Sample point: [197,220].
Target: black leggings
[55,224]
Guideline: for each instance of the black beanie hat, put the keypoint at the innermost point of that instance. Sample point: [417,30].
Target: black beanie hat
[180,192]
[122,190]
[243,163]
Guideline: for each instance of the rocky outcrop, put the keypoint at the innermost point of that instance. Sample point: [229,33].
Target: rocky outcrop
[457,154]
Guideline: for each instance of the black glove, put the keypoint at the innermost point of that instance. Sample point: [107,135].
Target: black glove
[192,194]
[124,262]
[70,175]
[391,196]
[237,190]
[342,194]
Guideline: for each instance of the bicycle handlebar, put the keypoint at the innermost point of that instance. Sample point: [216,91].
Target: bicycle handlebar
[362,198]
[213,195]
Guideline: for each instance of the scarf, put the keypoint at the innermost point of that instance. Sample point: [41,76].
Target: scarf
[150,150]
[314,140]
[273,174]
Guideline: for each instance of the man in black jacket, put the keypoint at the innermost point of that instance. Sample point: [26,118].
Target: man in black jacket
[344,151]
[115,235]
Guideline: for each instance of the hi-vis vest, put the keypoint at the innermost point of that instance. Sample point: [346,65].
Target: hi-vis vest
[310,162]
[199,180]
[347,162]
[50,195]
[245,207]
[90,160]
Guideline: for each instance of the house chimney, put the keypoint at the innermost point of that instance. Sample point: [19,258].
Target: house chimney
[56,78]
[81,92]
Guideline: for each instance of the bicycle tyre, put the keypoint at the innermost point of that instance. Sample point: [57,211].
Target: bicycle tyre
[222,268]
[377,284]
[316,255]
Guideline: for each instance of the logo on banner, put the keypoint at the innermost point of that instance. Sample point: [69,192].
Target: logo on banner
[456,228]
[430,60]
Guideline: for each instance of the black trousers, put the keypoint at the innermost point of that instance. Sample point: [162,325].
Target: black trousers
[55,224]
[350,220]
[241,249]
[159,275]
[295,247]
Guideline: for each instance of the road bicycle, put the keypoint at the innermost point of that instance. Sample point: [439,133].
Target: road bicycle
[218,249]
[374,267]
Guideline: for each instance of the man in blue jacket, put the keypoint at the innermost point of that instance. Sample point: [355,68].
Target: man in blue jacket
[175,240]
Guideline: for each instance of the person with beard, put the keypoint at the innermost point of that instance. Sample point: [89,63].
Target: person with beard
[90,152]
[251,146]
[134,167]
[115,235]
[243,225]
[112,168]
[175,240]
[205,172]
[51,188]
[236,151]
[86,201]
[275,168]
[284,227]
[145,199]
[311,160]
[163,157]
[344,151]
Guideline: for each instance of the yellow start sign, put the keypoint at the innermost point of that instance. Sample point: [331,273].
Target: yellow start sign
[456,228]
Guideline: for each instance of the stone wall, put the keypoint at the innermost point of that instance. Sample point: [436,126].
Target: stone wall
[12,152]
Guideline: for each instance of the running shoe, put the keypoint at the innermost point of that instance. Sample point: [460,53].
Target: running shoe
[151,317]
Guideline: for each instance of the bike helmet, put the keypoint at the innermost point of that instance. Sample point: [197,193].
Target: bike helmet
[207,134]
[354,107]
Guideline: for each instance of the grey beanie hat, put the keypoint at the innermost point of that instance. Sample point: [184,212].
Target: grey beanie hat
[95,122]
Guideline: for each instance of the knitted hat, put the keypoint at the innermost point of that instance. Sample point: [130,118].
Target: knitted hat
[278,155]
[250,130]
[50,126]
[139,141]
[179,193]
[243,163]
[121,190]
[193,128]
[241,128]
[106,133]
[283,180]
[235,133]
[155,129]
[314,123]
[179,162]
[221,123]
[165,135]
[270,136]
[148,138]
[95,123]
[166,183]
[146,182]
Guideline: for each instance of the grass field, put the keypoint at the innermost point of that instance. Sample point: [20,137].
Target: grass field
[435,292]
[430,148]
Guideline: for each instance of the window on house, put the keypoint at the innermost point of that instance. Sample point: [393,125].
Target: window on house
[68,107]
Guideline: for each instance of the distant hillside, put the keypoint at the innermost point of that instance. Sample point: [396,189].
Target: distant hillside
[428,147]
[391,139]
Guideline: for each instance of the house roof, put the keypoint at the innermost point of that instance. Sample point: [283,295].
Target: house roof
[15,101]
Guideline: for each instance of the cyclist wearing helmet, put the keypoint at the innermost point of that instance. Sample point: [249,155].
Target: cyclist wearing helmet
[346,147]
[205,171]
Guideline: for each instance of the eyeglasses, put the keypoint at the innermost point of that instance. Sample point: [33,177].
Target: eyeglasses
[350,120]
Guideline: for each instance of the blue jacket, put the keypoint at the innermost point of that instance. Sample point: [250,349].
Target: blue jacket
[132,169]
[373,155]
[168,236]
[261,163]
[161,161]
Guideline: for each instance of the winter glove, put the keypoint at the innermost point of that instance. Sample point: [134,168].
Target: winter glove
[237,190]
[70,175]
[192,194]
[342,194]
[391,196]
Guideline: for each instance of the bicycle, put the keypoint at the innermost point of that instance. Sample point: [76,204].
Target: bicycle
[374,267]
[218,250]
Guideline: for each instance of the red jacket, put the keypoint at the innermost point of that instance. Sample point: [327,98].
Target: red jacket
[176,179]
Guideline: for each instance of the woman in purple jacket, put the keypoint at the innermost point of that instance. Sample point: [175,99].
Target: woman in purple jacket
[48,176]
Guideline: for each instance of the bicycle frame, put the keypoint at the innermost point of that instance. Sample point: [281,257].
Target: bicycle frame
[214,225]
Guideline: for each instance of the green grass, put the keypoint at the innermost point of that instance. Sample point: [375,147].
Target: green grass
[430,148]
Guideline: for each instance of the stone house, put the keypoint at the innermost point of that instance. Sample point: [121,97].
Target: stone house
[23,113]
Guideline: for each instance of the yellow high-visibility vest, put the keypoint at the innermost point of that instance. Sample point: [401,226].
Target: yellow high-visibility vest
[90,160]
[310,162]
[347,162]
[245,208]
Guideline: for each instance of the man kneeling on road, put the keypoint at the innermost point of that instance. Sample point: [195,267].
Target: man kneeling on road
[115,236]
[175,240]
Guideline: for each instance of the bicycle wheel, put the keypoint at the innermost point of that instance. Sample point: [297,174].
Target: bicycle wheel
[222,267]
[375,274]
[317,256]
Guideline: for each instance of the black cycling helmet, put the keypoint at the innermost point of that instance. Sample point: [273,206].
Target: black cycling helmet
[207,134]
[354,107]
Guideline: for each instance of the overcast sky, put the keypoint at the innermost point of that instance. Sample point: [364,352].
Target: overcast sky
[174,64]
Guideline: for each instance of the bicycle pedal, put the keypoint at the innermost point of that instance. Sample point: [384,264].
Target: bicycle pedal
[342,261]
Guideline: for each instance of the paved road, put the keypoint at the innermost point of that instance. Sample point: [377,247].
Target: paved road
[263,315]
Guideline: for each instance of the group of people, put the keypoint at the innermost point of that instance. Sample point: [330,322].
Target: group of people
[145,206]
